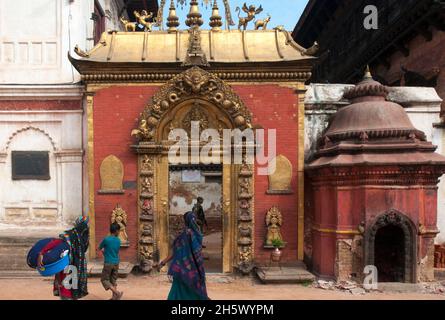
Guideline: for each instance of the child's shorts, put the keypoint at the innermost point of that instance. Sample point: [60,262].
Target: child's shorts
[109,275]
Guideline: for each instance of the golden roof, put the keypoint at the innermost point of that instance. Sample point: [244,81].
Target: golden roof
[225,46]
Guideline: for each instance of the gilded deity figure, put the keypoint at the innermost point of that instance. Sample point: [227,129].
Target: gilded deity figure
[146,164]
[146,186]
[274,221]
[119,216]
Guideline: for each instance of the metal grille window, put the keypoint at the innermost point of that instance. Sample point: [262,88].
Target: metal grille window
[30,165]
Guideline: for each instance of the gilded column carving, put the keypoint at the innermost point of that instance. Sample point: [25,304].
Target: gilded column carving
[245,218]
[146,213]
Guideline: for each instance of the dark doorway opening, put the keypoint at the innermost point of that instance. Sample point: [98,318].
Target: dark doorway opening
[390,254]
[186,184]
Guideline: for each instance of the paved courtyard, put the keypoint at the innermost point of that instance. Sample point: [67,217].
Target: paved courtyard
[219,288]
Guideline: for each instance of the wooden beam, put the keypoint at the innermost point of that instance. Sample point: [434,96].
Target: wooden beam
[427,34]
[401,47]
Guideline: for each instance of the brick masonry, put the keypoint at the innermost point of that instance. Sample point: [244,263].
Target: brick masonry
[41,105]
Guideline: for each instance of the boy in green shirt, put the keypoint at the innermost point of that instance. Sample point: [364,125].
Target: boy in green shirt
[109,247]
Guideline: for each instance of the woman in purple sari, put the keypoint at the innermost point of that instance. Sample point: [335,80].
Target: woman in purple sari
[187,263]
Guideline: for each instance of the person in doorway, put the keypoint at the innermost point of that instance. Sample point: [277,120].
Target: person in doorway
[198,210]
[187,263]
[110,247]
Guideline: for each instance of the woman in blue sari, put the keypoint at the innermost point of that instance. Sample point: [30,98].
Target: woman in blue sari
[187,263]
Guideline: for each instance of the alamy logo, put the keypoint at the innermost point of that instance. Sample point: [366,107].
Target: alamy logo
[371,280]
[371,21]
[238,147]
[71,279]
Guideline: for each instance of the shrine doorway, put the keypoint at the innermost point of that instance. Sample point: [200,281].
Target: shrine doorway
[186,184]
[390,254]
[391,246]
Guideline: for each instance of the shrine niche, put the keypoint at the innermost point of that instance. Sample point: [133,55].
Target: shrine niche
[280,180]
[192,96]
[111,175]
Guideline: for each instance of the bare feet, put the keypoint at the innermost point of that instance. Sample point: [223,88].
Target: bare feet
[119,295]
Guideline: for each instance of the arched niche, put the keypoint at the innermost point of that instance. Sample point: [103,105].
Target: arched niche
[397,219]
[111,175]
[31,201]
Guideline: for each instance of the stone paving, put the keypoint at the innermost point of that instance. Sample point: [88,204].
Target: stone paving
[219,288]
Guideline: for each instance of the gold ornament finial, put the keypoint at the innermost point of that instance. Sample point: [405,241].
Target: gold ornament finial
[368,74]
[172,20]
[215,19]
[194,17]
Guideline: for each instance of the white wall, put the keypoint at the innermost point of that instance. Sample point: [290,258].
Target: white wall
[35,37]
[59,200]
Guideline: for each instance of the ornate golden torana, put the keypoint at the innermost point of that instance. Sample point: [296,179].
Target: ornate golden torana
[192,95]
[194,82]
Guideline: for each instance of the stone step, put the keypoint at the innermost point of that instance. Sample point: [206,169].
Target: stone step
[13,254]
[284,275]
[95,268]
[439,274]
[19,274]
[398,287]
[15,245]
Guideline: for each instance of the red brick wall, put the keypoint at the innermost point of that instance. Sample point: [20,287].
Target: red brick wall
[116,112]
[346,208]
[275,107]
[18,105]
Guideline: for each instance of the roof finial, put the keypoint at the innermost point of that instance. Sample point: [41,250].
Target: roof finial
[194,17]
[172,20]
[215,19]
[368,74]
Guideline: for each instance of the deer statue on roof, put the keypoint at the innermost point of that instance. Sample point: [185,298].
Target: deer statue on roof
[251,11]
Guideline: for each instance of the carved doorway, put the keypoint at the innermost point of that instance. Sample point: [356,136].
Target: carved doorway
[199,97]
[390,254]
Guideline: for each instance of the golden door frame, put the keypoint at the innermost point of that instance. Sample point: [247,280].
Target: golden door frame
[194,95]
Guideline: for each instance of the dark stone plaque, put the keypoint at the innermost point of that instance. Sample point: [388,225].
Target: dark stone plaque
[30,165]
